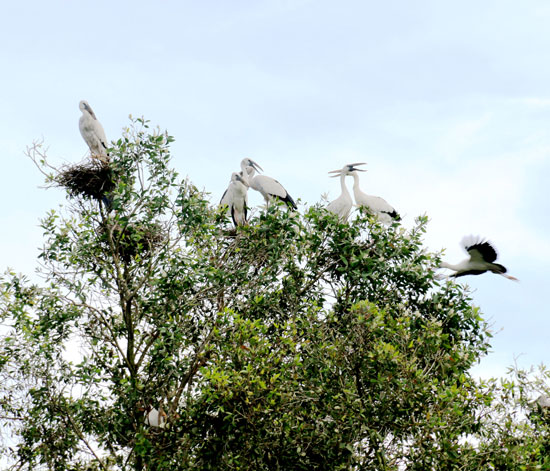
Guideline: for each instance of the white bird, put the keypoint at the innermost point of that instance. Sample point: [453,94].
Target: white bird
[156,418]
[92,132]
[482,255]
[235,198]
[267,186]
[379,206]
[342,205]
[249,168]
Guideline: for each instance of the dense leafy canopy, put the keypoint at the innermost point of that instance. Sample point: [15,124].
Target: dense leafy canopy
[293,342]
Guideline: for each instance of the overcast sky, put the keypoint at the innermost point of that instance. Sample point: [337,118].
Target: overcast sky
[447,102]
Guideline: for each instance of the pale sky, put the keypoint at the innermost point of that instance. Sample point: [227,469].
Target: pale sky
[447,102]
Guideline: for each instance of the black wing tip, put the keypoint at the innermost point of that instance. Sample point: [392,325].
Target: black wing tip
[223,196]
[287,199]
[482,245]
[394,215]
[235,222]
[233,216]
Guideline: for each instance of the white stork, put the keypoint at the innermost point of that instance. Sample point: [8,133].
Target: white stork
[482,255]
[235,198]
[249,167]
[379,206]
[342,205]
[267,186]
[92,132]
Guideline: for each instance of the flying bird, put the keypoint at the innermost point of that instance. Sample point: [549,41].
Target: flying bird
[267,186]
[482,255]
[92,132]
[379,206]
[235,198]
[342,205]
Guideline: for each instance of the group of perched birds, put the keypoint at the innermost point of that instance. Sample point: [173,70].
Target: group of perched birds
[236,195]
[482,254]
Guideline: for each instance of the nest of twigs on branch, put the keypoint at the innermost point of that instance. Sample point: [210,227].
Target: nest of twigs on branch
[92,180]
[134,239]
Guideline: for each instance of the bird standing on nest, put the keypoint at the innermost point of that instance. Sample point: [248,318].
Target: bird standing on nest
[93,133]
[482,255]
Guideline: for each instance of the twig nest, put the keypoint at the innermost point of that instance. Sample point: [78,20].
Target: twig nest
[91,180]
[133,239]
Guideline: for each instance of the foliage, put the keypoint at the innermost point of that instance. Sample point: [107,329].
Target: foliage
[294,342]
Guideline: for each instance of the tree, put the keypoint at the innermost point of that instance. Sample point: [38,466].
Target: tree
[293,342]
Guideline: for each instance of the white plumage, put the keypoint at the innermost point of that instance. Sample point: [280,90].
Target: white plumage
[249,168]
[156,418]
[267,186]
[482,255]
[92,132]
[342,205]
[235,198]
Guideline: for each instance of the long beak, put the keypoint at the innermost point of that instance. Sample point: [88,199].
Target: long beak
[256,166]
[353,169]
[349,168]
[89,110]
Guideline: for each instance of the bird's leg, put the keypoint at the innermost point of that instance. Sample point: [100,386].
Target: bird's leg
[510,277]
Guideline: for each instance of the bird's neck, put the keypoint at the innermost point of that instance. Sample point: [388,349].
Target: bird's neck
[343,184]
[246,176]
[449,266]
[248,172]
[356,189]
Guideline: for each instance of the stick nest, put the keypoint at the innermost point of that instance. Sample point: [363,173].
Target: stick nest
[133,239]
[92,180]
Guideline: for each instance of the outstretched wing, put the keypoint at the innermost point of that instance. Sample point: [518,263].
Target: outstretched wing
[480,250]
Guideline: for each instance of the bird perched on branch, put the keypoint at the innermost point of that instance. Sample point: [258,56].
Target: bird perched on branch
[379,206]
[235,198]
[93,133]
[342,205]
[267,186]
[156,418]
[482,258]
